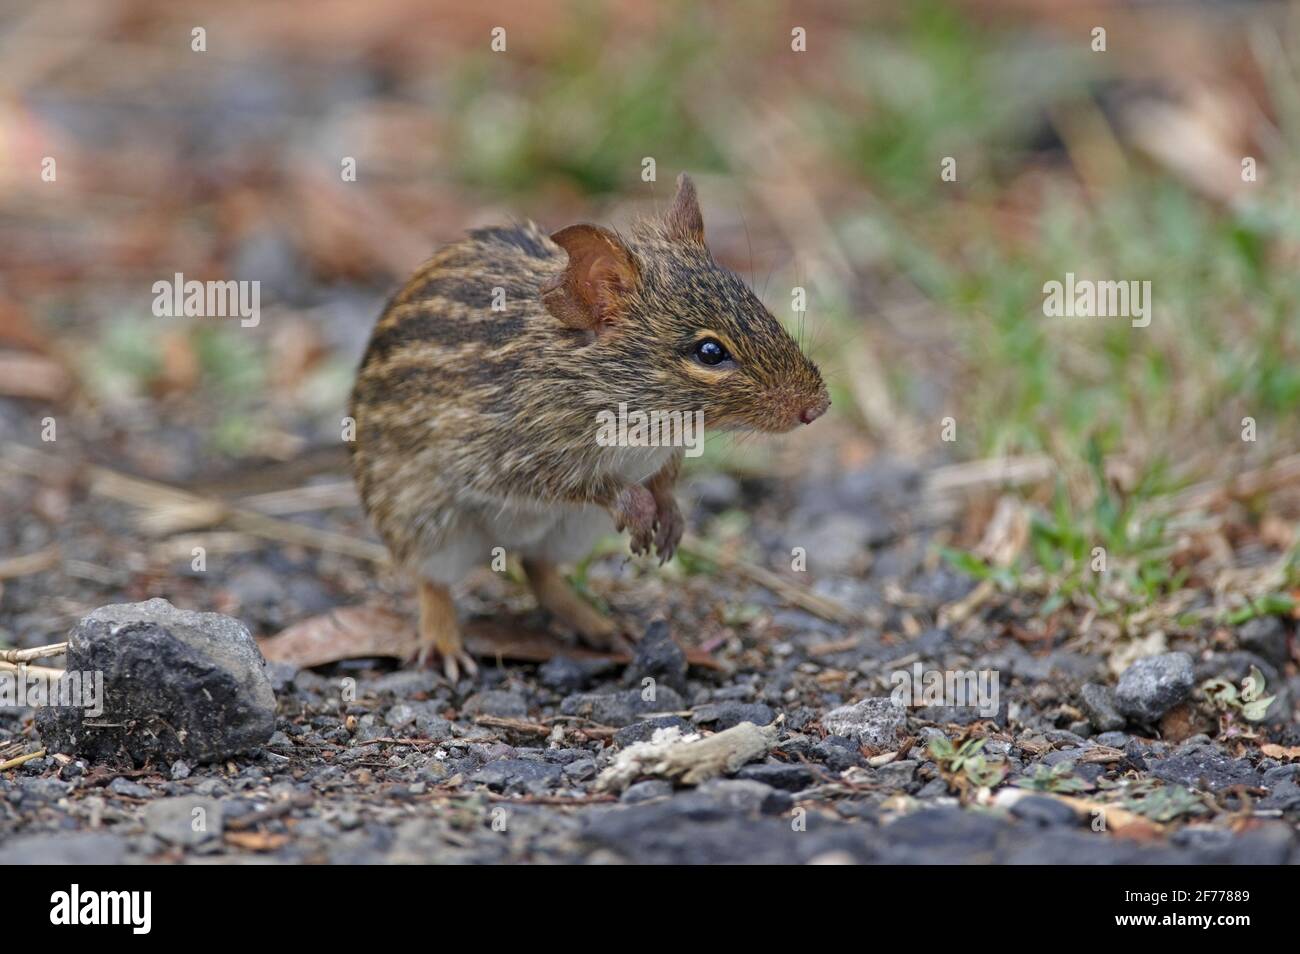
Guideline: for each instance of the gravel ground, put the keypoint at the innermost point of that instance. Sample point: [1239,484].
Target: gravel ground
[370,762]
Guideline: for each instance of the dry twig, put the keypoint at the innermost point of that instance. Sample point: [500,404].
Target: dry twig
[14,763]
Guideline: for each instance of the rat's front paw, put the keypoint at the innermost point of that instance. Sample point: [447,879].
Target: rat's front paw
[634,510]
[671,526]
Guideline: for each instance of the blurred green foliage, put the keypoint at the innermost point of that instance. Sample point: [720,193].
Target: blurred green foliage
[582,117]
[924,84]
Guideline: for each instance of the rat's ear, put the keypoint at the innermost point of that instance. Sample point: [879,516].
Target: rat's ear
[591,292]
[683,221]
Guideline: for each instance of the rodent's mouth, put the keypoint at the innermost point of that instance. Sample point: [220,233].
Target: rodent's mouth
[780,413]
[792,410]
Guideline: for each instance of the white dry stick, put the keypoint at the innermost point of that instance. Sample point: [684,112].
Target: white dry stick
[692,758]
[36,652]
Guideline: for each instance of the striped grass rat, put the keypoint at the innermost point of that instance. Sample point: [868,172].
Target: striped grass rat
[477,401]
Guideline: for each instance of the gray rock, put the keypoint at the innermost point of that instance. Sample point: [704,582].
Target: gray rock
[496,702]
[562,674]
[961,715]
[941,585]
[658,657]
[1063,737]
[186,821]
[402,683]
[1057,756]
[563,756]
[433,727]
[873,721]
[837,753]
[1048,812]
[1269,843]
[943,835]
[1062,846]
[256,590]
[646,791]
[1267,636]
[839,540]
[1099,706]
[579,770]
[621,708]
[725,715]
[45,789]
[896,774]
[1282,773]
[282,675]
[212,787]
[399,716]
[746,796]
[789,776]
[1283,794]
[519,775]
[1204,767]
[1152,686]
[80,848]
[689,830]
[644,731]
[369,728]
[176,684]
[124,786]
[935,788]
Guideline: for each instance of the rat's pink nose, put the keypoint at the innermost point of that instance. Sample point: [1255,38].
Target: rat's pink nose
[813,411]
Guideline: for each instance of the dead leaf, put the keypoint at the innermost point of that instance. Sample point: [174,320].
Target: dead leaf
[256,840]
[354,632]
[1284,752]
[349,632]
[1182,722]
[34,376]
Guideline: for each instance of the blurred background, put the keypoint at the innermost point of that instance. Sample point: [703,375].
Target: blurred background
[819,168]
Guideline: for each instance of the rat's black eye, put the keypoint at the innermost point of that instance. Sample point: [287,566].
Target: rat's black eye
[711,352]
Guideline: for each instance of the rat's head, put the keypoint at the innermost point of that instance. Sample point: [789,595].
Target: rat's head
[668,328]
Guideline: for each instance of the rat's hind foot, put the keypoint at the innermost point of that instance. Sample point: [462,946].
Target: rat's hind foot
[452,661]
[555,595]
[439,634]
